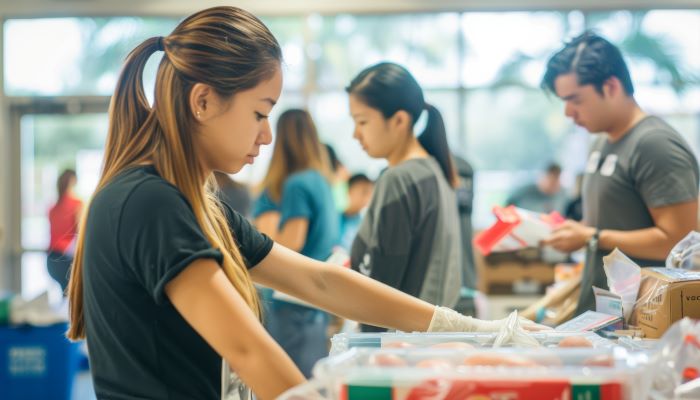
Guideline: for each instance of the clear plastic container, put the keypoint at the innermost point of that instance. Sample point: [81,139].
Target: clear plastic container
[401,374]
[345,341]
[638,344]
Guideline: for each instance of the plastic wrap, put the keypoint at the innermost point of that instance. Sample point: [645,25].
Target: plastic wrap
[345,341]
[665,296]
[624,277]
[685,254]
[544,374]
[649,301]
[676,364]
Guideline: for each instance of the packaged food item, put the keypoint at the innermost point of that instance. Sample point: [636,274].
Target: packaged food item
[345,341]
[516,228]
[489,374]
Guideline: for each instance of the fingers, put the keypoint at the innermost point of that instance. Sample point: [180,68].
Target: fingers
[532,326]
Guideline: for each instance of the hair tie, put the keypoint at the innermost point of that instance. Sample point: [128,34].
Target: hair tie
[160,44]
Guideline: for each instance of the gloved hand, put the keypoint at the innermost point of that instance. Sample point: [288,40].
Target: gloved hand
[447,320]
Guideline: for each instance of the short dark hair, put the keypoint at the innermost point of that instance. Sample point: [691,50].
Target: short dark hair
[593,59]
[553,169]
[358,178]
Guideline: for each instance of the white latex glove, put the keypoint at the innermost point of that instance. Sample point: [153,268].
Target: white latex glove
[448,320]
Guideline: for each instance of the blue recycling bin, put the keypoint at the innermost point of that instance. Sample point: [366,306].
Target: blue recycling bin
[37,363]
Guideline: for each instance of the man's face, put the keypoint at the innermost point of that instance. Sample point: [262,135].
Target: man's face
[583,104]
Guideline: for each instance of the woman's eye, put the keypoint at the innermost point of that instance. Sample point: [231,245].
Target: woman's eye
[260,116]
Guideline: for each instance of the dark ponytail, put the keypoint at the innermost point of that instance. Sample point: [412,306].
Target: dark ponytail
[389,87]
[434,141]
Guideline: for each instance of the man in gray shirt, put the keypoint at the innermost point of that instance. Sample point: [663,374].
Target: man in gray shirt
[640,186]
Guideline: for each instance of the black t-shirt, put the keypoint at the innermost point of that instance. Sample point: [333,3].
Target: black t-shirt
[141,232]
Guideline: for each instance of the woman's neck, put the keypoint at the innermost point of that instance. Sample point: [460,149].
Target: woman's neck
[406,151]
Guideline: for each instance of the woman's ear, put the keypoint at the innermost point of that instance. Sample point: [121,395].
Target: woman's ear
[401,121]
[200,101]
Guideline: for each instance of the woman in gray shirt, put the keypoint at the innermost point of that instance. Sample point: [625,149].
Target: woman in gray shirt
[410,236]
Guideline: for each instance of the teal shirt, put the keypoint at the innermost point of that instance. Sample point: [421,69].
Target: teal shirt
[307,194]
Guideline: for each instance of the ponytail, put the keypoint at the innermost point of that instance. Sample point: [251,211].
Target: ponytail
[434,141]
[226,48]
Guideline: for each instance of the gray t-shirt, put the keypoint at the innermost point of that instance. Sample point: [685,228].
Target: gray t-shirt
[410,237]
[651,166]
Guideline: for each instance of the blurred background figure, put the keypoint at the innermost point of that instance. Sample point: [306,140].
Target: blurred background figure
[63,220]
[465,204]
[339,181]
[235,194]
[545,195]
[574,208]
[296,210]
[360,189]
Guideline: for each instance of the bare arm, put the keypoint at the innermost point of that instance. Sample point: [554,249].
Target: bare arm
[342,291]
[209,303]
[672,223]
[293,232]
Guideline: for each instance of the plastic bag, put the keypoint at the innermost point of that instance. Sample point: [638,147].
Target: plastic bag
[36,312]
[684,254]
[624,277]
[676,364]
[513,334]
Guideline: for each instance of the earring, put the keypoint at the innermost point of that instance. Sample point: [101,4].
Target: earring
[199,114]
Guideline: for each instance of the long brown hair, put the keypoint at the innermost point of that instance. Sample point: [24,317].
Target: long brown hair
[226,48]
[297,147]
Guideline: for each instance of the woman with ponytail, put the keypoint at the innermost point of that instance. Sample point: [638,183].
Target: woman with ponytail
[410,237]
[162,281]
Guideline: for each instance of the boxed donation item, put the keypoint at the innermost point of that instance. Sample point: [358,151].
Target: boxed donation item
[666,295]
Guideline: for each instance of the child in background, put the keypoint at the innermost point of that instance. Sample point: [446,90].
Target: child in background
[360,189]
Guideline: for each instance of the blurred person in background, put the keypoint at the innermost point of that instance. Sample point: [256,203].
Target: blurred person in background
[465,204]
[360,189]
[574,208]
[640,187]
[64,217]
[296,210]
[544,196]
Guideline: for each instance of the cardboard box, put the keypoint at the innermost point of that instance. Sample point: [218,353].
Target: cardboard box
[665,296]
[498,274]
